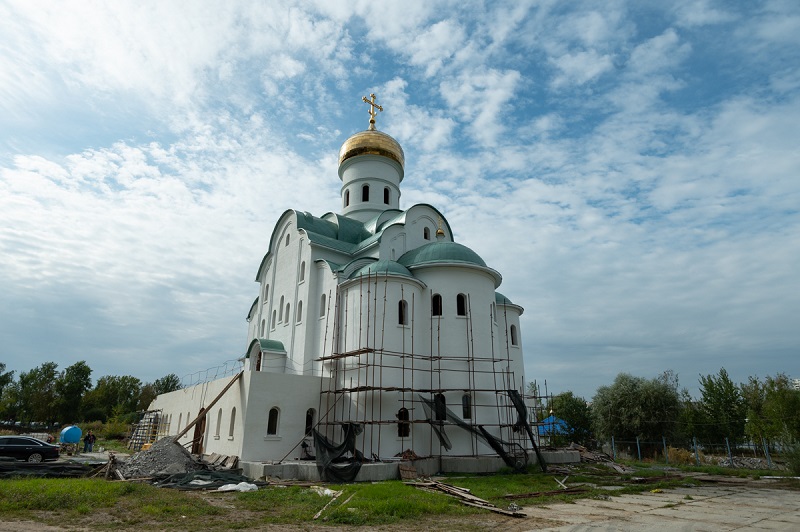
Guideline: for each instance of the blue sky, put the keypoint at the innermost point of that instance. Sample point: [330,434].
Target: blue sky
[631,168]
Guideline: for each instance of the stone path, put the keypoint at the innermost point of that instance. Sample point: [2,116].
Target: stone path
[711,508]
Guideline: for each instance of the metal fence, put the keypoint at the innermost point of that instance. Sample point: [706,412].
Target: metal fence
[724,452]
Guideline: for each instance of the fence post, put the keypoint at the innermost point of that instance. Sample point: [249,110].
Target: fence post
[666,453]
[613,449]
[766,452]
[638,449]
[730,456]
[696,454]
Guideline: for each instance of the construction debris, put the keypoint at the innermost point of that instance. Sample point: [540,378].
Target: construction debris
[536,494]
[165,457]
[464,496]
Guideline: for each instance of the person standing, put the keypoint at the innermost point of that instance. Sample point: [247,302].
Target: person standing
[88,442]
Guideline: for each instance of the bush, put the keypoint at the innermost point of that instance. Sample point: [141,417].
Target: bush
[792,455]
[682,456]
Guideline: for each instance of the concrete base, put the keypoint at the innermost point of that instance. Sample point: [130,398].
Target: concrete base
[372,472]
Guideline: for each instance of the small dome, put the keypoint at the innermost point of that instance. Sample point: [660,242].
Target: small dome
[440,252]
[372,142]
[501,299]
[382,267]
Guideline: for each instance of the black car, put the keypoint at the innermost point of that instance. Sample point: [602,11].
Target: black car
[26,448]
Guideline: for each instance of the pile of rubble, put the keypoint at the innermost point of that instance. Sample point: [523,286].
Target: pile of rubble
[743,462]
[165,457]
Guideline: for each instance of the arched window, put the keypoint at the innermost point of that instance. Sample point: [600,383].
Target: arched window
[403,426]
[461,305]
[322,306]
[402,312]
[280,311]
[436,305]
[266,293]
[303,271]
[299,311]
[513,335]
[288,306]
[287,240]
[466,406]
[180,420]
[309,420]
[439,407]
[263,326]
[233,422]
[272,421]
[274,314]
[346,198]
[219,422]
[386,195]
[426,233]
[365,193]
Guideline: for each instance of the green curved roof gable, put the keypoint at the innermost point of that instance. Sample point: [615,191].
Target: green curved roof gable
[266,345]
[446,252]
[382,267]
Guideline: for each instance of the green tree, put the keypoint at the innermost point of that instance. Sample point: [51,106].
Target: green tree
[11,402]
[38,393]
[636,407]
[151,390]
[781,409]
[71,386]
[577,414]
[6,378]
[754,396]
[723,407]
[112,395]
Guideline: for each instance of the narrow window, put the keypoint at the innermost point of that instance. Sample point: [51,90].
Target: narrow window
[299,311]
[466,406]
[287,240]
[403,426]
[322,306]
[287,312]
[180,420]
[263,326]
[346,198]
[280,310]
[402,312]
[272,422]
[233,422]
[386,195]
[302,271]
[274,314]
[426,233]
[461,305]
[365,193]
[309,421]
[513,335]
[266,294]
[436,305]
[219,422]
[440,407]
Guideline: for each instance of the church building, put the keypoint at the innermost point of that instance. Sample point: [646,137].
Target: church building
[372,325]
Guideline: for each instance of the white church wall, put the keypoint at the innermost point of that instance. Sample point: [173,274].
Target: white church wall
[292,395]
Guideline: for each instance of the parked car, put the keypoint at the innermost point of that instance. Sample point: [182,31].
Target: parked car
[26,448]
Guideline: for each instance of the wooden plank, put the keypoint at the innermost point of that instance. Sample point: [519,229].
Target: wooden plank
[207,408]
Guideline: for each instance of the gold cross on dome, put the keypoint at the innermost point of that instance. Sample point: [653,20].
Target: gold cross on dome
[372,107]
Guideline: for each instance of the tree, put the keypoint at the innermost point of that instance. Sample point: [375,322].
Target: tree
[636,407]
[723,407]
[38,393]
[576,413]
[112,395]
[71,386]
[151,390]
[6,378]
[781,409]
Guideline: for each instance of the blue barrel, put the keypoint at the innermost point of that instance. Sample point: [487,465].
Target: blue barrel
[71,434]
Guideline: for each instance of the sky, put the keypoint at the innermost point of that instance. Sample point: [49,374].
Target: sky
[632,169]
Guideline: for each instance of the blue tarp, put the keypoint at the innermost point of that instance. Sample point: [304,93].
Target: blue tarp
[552,425]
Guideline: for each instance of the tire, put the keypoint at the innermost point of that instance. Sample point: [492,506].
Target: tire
[35,458]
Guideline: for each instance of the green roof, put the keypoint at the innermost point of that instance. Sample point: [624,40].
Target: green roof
[382,267]
[444,252]
[270,345]
[501,299]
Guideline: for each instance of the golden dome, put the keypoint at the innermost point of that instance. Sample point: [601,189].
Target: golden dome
[372,142]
